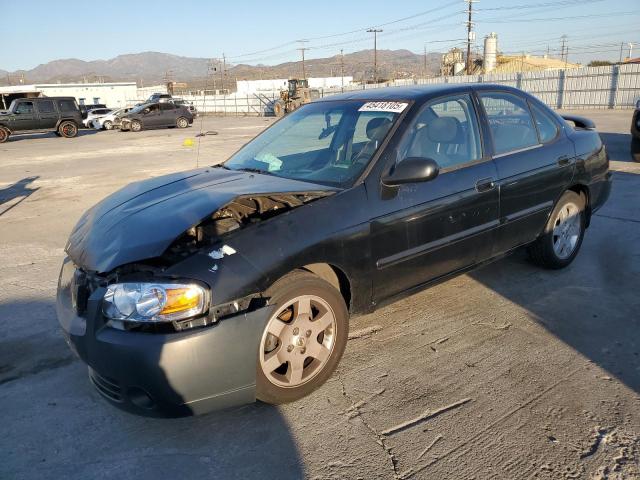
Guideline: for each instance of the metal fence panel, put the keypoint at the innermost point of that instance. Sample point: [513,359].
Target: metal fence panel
[616,86]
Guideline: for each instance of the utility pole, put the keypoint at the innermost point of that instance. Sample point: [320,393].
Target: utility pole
[223,72]
[375,32]
[563,58]
[630,49]
[342,70]
[424,71]
[471,35]
[302,50]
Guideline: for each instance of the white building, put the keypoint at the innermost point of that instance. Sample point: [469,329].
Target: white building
[277,84]
[116,95]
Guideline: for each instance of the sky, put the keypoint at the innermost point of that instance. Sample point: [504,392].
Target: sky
[265,32]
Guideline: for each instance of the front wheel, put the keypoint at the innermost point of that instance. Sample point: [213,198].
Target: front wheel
[304,338]
[108,125]
[182,122]
[4,134]
[68,129]
[562,237]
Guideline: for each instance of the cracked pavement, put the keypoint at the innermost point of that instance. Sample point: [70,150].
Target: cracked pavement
[507,372]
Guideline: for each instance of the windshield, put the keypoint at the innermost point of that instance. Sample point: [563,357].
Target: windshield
[140,108]
[325,142]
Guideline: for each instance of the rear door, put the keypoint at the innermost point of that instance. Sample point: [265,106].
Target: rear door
[434,228]
[534,161]
[168,114]
[47,113]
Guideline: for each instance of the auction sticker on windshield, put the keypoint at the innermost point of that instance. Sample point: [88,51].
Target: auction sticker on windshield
[395,107]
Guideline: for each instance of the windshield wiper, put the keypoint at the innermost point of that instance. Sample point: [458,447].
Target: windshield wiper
[254,170]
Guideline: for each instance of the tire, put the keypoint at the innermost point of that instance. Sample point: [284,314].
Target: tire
[278,108]
[562,237]
[108,125]
[68,129]
[182,122]
[298,338]
[635,149]
[4,134]
[136,126]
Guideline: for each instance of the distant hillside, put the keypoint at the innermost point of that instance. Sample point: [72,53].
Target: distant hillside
[152,67]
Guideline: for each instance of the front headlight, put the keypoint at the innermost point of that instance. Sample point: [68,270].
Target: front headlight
[154,302]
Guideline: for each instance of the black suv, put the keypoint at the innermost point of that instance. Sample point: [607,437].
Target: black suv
[47,114]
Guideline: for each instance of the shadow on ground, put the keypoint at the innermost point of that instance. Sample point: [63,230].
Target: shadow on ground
[21,189]
[31,136]
[618,146]
[246,442]
[593,304]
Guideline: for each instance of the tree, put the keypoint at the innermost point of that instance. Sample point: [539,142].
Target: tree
[599,63]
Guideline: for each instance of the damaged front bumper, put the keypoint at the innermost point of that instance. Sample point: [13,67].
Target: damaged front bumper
[171,374]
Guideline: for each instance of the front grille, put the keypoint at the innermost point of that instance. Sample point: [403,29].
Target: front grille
[106,386]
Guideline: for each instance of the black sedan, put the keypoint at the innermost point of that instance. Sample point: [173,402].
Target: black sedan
[217,286]
[155,115]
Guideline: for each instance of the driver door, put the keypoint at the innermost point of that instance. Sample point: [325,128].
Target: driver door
[25,117]
[430,229]
[151,116]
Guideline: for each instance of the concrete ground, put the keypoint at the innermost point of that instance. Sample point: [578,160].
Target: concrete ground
[508,372]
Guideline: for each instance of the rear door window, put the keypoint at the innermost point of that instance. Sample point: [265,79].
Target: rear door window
[46,106]
[511,124]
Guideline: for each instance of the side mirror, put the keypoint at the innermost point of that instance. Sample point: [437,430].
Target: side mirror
[412,170]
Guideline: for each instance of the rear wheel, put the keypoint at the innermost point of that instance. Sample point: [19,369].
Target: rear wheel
[68,129]
[182,122]
[304,338]
[108,125]
[635,149]
[563,234]
[136,126]
[4,134]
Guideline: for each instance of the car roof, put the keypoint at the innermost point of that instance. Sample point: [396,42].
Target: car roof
[416,92]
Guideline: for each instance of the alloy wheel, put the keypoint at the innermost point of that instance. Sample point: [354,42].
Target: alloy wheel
[566,230]
[298,341]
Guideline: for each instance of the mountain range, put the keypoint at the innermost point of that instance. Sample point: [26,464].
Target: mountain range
[148,68]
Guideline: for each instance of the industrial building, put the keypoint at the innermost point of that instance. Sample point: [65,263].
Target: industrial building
[256,86]
[115,95]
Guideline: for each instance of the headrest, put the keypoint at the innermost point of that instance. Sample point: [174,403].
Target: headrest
[377,128]
[444,130]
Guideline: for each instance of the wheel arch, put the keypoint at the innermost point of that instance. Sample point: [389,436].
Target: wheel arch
[583,190]
[333,275]
[66,119]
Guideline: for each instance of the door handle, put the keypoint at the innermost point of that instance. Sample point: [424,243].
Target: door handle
[564,160]
[485,184]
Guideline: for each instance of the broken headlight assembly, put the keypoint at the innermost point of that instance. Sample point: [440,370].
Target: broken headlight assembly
[154,302]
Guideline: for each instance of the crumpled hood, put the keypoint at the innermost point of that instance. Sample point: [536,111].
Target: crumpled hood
[141,220]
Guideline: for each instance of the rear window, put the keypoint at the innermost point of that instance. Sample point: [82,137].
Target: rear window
[67,105]
[46,106]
